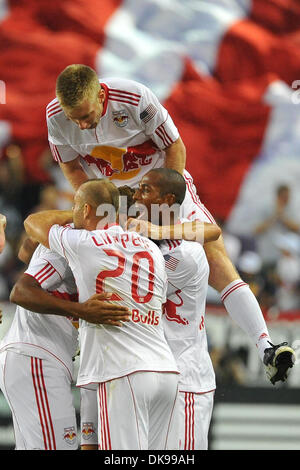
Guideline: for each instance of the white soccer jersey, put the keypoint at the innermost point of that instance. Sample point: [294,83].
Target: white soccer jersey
[184,316]
[42,335]
[132,267]
[128,141]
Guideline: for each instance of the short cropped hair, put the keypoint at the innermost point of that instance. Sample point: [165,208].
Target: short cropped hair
[171,182]
[100,191]
[128,193]
[75,84]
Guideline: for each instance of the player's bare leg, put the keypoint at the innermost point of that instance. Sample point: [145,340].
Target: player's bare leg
[222,271]
[244,309]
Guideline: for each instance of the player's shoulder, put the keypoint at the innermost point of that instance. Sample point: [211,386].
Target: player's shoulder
[185,254]
[124,90]
[53,110]
[48,256]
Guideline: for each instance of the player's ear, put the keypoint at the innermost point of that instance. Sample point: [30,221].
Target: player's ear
[86,210]
[101,95]
[170,199]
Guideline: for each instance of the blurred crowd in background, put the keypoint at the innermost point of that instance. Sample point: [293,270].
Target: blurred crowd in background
[268,258]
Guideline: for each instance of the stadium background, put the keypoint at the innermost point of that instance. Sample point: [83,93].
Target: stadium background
[228,71]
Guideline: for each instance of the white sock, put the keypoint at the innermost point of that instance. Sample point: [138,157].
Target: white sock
[244,309]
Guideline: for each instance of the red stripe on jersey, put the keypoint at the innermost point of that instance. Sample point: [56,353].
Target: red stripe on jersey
[46,274]
[114,90]
[167,137]
[232,289]
[53,105]
[55,112]
[42,271]
[122,101]
[54,108]
[58,154]
[121,95]
[47,277]
[197,201]
[162,137]
[55,152]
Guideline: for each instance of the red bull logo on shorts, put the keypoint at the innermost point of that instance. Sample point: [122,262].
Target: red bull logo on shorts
[70,435]
[87,430]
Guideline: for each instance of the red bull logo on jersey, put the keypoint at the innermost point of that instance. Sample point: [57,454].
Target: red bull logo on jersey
[121,163]
[120,118]
[170,309]
[70,435]
[103,165]
[150,319]
[87,430]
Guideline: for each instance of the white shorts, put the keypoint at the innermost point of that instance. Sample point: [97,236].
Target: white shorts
[40,397]
[135,412]
[192,208]
[193,417]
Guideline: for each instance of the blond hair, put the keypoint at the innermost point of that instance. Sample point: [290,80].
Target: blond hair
[75,84]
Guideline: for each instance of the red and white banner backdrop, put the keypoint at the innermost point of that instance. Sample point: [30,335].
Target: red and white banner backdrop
[225,69]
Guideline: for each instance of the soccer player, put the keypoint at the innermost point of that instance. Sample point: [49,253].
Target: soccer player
[36,367]
[117,129]
[132,367]
[184,319]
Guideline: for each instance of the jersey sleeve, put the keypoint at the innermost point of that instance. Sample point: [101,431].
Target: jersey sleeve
[45,272]
[156,120]
[64,241]
[61,151]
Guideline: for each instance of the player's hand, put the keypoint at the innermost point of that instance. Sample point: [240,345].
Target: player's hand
[143,227]
[97,309]
[2,231]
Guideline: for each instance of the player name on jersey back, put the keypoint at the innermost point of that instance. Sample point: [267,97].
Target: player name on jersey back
[132,269]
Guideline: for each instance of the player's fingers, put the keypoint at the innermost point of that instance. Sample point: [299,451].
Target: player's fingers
[106,306]
[102,296]
[112,316]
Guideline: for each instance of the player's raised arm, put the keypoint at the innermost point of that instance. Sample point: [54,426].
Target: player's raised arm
[176,156]
[37,225]
[201,232]
[26,250]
